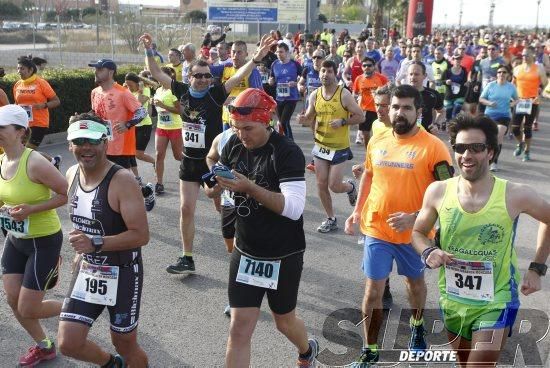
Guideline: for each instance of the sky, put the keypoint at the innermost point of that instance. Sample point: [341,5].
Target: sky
[475,12]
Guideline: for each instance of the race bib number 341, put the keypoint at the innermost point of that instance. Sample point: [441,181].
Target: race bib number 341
[96,284]
[260,273]
[470,280]
[193,135]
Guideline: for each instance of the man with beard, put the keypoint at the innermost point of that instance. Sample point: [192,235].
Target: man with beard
[412,157]
[431,99]
[117,105]
[331,110]
[478,214]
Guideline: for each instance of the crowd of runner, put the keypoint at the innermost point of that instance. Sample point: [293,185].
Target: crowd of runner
[227,116]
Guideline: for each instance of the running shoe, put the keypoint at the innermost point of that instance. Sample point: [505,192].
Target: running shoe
[352,195]
[443,127]
[311,166]
[184,265]
[309,362]
[328,225]
[119,362]
[417,342]
[361,239]
[149,196]
[518,150]
[159,188]
[526,157]
[367,359]
[37,354]
[57,162]
[387,298]
[359,138]
[227,310]
[493,167]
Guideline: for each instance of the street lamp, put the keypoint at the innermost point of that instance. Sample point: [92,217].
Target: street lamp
[97,22]
[538,9]
[33,10]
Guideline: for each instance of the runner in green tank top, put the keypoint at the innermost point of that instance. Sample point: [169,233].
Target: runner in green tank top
[478,213]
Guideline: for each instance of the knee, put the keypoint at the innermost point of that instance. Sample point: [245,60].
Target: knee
[283,325]
[29,311]
[160,155]
[70,346]
[528,131]
[416,285]
[372,296]
[13,301]
[516,131]
[322,185]
[187,212]
[240,333]
[334,186]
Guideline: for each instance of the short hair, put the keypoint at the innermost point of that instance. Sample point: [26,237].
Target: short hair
[421,64]
[383,91]
[132,77]
[198,62]
[407,91]
[330,64]
[87,116]
[189,46]
[282,45]
[39,61]
[493,44]
[239,43]
[368,58]
[322,52]
[27,63]
[176,51]
[481,122]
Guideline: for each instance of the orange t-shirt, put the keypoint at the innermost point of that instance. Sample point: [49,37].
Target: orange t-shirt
[34,90]
[117,105]
[401,171]
[527,81]
[366,86]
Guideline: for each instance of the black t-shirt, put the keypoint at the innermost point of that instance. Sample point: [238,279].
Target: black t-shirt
[458,82]
[206,111]
[262,233]
[431,99]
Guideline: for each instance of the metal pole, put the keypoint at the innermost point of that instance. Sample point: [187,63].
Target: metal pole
[97,23]
[59,38]
[112,40]
[34,30]
[538,9]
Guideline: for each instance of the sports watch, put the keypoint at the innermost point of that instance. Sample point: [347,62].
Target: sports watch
[539,268]
[97,242]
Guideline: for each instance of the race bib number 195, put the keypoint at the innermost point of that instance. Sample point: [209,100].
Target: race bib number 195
[96,284]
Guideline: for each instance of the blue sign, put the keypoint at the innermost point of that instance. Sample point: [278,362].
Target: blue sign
[242,14]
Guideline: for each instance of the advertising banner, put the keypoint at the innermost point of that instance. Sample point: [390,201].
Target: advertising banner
[419,19]
[262,11]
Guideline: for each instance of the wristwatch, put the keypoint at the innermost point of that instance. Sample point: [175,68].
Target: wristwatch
[97,242]
[344,122]
[539,268]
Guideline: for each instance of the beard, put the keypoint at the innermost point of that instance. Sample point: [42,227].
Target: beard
[401,125]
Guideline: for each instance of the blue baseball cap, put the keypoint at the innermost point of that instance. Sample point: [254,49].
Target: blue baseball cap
[104,63]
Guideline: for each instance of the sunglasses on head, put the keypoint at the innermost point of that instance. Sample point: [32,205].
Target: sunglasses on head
[460,148]
[202,75]
[367,65]
[243,110]
[83,141]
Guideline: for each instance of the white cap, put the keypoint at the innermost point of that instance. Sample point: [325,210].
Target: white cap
[13,114]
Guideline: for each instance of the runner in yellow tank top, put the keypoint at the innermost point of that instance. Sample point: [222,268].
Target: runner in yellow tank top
[528,77]
[330,111]
[30,258]
[479,284]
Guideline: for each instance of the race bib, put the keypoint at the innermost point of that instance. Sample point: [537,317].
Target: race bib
[470,280]
[28,110]
[455,88]
[165,117]
[254,272]
[524,106]
[18,229]
[323,152]
[283,90]
[193,135]
[109,130]
[96,284]
[265,77]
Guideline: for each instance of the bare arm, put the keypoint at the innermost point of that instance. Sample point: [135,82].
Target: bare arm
[152,65]
[53,102]
[363,194]
[3,98]
[349,103]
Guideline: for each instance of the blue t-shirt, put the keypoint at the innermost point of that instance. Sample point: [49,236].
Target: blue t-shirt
[285,73]
[501,94]
[374,54]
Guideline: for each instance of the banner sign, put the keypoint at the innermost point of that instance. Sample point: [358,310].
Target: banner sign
[263,11]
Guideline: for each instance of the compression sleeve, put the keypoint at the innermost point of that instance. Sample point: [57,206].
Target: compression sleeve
[139,115]
[295,199]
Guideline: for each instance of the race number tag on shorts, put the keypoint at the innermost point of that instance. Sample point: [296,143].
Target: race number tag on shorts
[165,117]
[109,130]
[524,106]
[18,229]
[96,284]
[28,110]
[470,280]
[283,90]
[193,135]
[323,152]
[455,88]
[254,272]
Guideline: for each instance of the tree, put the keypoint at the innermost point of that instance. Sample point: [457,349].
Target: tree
[322,18]
[129,30]
[196,16]
[10,10]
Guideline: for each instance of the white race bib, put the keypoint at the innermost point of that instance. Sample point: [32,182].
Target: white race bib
[255,272]
[524,106]
[265,77]
[455,88]
[96,284]
[109,130]
[470,280]
[165,118]
[283,90]
[18,229]
[28,110]
[323,152]
[193,135]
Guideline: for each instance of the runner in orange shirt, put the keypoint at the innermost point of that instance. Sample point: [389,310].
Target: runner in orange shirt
[363,86]
[36,96]
[117,105]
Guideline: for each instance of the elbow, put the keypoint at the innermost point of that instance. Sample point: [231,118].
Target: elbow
[144,237]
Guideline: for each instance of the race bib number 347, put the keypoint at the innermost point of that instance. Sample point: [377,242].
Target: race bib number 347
[470,280]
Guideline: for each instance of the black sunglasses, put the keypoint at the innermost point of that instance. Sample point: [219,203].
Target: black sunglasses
[202,75]
[460,148]
[317,57]
[243,110]
[83,141]
[368,65]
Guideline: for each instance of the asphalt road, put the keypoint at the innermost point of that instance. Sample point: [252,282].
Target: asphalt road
[181,321]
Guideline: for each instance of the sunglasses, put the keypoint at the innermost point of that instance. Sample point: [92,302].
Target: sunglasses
[317,57]
[83,141]
[202,75]
[367,65]
[491,49]
[243,110]
[460,148]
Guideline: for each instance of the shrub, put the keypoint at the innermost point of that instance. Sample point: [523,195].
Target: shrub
[196,16]
[72,86]
[10,10]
